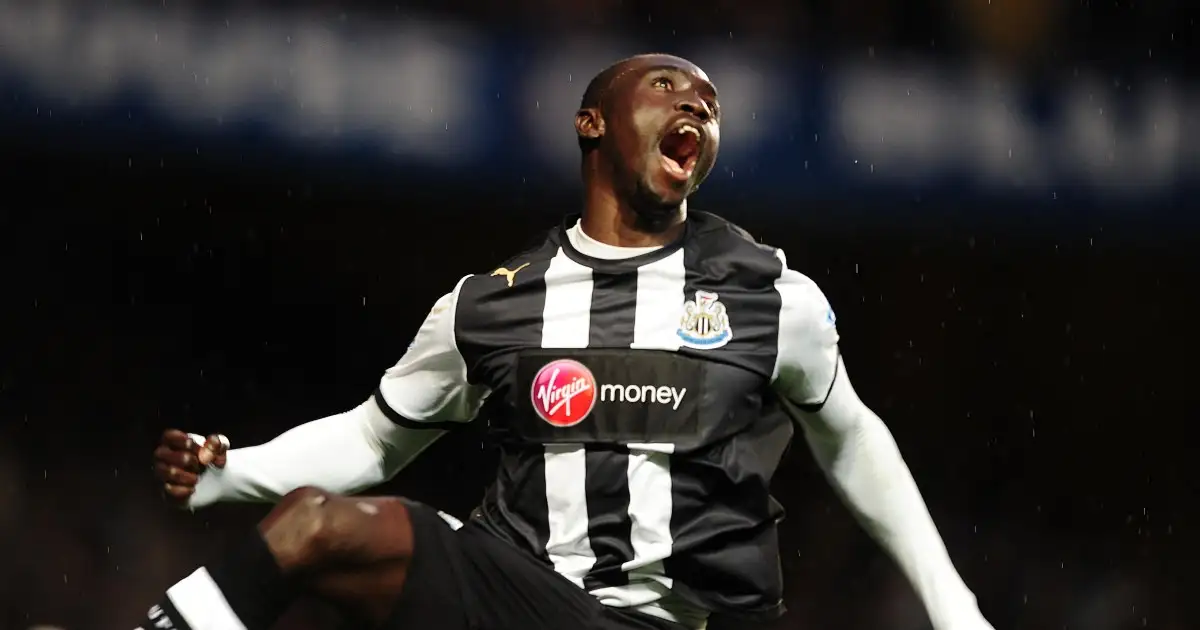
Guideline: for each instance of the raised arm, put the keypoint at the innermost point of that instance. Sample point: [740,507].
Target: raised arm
[415,402]
[859,456]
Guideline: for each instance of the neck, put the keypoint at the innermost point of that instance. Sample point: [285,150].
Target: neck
[613,221]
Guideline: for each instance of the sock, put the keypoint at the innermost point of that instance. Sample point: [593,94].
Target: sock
[245,592]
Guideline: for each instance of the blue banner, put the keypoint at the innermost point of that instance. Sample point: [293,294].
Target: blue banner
[449,99]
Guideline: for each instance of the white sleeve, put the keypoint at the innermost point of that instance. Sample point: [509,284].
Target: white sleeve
[429,387]
[806,362]
[858,454]
[861,460]
[369,444]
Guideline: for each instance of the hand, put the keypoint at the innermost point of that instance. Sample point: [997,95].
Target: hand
[181,458]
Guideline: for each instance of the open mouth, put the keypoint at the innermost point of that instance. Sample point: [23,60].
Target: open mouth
[680,149]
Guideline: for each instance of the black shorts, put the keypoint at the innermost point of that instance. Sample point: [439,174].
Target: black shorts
[468,579]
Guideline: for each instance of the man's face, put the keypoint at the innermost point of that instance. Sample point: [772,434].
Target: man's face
[662,130]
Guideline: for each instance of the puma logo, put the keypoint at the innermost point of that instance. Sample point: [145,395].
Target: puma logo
[509,275]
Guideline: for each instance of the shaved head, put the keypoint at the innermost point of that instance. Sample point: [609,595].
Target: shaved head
[598,88]
[600,83]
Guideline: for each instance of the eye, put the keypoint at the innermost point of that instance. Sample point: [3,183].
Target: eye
[661,83]
[713,107]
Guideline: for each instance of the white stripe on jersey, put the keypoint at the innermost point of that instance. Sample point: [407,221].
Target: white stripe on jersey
[566,319]
[568,545]
[650,510]
[567,315]
[660,287]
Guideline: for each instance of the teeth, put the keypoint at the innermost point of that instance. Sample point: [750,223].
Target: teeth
[689,129]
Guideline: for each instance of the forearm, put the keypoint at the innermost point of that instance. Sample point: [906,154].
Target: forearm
[344,453]
[864,465]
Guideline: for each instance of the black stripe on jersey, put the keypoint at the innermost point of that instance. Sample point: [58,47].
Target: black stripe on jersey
[532,486]
[490,314]
[610,529]
[745,285]
[614,302]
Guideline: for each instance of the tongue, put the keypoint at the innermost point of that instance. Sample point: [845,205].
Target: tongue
[679,147]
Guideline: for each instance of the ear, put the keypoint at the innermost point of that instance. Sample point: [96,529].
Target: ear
[589,124]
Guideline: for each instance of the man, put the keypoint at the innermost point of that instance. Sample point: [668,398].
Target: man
[649,363]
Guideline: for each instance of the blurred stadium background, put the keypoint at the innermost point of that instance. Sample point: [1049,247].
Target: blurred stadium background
[231,216]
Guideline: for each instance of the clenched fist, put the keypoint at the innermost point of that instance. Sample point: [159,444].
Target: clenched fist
[181,458]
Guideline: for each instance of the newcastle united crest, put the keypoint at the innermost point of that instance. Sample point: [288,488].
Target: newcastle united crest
[704,324]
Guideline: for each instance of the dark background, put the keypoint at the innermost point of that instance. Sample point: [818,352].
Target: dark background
[187,246]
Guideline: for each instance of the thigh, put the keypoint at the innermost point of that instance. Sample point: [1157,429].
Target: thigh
[513,589]
[434,596]
[468,578]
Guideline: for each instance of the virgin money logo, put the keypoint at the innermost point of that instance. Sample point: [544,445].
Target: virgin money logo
[564,392]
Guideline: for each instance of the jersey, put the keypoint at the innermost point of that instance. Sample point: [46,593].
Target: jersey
[639,408]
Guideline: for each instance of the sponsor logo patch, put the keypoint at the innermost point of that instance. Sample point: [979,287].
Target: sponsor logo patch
[565,391]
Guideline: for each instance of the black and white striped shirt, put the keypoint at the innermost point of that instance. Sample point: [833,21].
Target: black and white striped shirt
[640,419]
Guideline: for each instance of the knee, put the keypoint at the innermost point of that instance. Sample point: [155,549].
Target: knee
[299,498]
[300,506]
[297,529]
[311,528]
